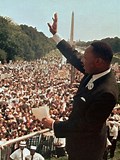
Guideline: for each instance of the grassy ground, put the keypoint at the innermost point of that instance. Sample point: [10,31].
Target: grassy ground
[117,154]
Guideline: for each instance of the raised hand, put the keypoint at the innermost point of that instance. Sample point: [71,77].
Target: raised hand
[53,27]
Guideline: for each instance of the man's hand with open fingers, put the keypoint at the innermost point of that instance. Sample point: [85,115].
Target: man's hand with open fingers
[53,27]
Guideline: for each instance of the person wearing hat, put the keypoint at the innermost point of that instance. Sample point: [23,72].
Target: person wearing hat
[21,152]
[34,155]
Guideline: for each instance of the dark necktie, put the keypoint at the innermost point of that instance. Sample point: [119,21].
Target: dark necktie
[32,157]
[83,83]
[21,154]
[86,80]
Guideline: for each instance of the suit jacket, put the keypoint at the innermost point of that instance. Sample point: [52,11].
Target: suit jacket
[85,130]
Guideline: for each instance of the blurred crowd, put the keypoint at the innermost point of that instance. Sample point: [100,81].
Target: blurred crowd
[26,85]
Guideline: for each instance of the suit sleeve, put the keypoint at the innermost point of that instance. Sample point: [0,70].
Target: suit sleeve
[95,116]
[64,128]
[71,54]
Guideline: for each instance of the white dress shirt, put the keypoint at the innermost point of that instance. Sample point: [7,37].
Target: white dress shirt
[113,131]
[90,84]
[36,156]
[16,155]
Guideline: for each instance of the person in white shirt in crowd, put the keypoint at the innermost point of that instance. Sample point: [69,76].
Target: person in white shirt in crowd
[21,152]
[113,134]
[60,144]
[34,155]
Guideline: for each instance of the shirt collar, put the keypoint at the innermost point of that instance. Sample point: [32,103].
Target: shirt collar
[96,76]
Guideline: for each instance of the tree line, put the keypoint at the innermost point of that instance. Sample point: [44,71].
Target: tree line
[22,42]
[114,43]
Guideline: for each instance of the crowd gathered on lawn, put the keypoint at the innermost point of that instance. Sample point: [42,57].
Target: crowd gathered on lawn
[26,85]
[44,82]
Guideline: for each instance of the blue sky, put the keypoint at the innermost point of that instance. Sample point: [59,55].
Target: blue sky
[94,19]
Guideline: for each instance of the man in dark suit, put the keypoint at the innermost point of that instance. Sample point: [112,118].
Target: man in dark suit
[85,130]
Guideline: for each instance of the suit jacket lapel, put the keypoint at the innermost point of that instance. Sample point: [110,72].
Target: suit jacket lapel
[83,83]
[85,80]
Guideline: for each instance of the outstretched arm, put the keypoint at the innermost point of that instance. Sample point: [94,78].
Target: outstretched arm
[65,48]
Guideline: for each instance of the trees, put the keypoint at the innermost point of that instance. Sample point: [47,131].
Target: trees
[22,42]
[3,56]
[25,42]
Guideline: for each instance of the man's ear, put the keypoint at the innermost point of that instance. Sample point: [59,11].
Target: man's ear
[99,62]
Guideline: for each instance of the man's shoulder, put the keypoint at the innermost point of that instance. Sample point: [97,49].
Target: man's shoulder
[26,150]
[17,150]
[38,154]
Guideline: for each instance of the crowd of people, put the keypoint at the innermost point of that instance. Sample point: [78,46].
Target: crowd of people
[113,133]
[26,85]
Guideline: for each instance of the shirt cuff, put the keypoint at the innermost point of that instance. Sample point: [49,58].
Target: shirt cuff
[53,125]
[56,37]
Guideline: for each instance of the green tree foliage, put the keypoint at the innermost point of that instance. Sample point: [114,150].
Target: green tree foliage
[22,42]
[3,32]
[3,55]
[40,43]
[114,42]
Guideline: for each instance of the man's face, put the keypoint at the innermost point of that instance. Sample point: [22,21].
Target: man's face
[89,61]
[32,152]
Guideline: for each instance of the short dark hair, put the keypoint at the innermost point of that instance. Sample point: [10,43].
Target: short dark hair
[102,50]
